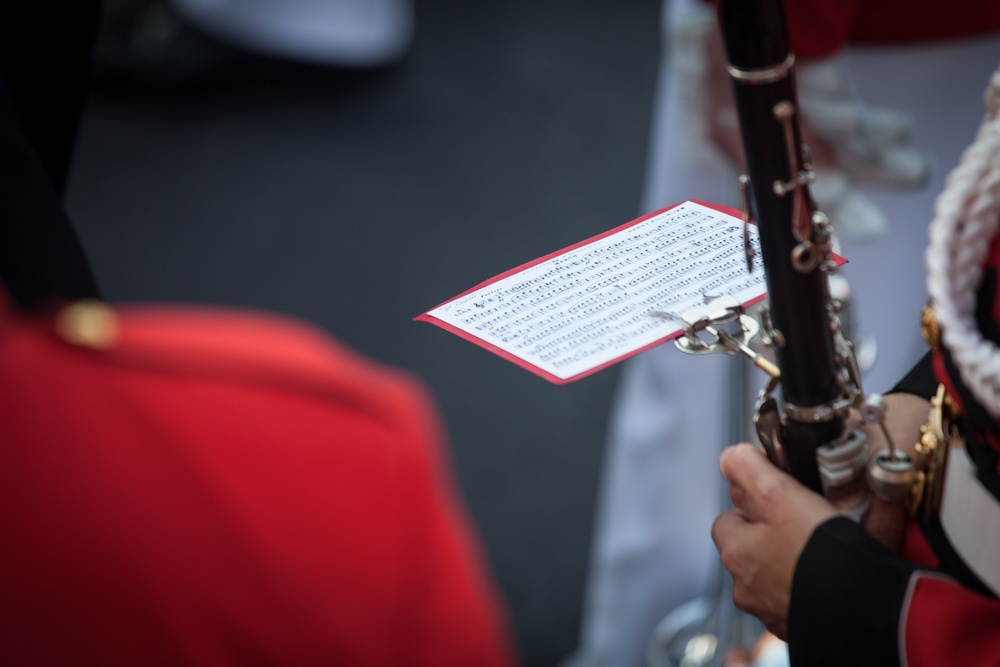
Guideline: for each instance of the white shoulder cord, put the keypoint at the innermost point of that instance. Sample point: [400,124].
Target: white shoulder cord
[967,215]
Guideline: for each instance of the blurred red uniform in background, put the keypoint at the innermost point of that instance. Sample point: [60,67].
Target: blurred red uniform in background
[199,486]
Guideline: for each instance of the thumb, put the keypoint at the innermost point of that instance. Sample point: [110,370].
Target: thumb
[756,485]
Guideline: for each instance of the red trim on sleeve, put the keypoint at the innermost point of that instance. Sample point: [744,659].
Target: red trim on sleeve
[915,548]
[950,625]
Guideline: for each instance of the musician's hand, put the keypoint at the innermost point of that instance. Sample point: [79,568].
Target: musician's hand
[760,539]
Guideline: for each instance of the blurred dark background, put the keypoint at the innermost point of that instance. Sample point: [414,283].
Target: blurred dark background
[358,199]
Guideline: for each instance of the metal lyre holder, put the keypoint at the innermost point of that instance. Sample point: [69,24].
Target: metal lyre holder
[710,631]
[808,415]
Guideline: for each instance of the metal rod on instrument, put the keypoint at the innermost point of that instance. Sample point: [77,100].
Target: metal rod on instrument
[763,363]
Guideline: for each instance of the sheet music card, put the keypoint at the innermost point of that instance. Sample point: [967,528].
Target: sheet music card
[581,309]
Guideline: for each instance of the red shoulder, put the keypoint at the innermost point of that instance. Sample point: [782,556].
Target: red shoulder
[242,348]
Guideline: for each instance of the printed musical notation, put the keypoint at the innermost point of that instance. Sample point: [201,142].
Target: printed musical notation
[589,306]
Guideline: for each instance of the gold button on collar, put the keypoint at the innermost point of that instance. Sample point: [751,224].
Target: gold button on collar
[929,327]
[88,323]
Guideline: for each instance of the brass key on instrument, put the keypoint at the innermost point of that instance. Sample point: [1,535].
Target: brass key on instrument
[736,345]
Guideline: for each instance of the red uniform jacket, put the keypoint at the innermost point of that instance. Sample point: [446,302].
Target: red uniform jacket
[820,28]
[227,488]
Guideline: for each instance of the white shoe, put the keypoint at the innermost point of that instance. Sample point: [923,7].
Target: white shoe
[344,33]
[829,100]
[868,141]
[895,167]
[853,215]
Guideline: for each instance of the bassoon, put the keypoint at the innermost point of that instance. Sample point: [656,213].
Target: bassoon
[810,431]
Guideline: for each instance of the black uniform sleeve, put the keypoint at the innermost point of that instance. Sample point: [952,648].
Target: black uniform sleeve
[848,593]
[920,380]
